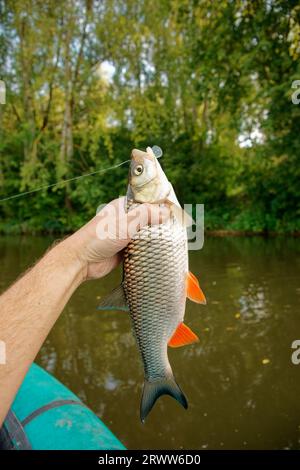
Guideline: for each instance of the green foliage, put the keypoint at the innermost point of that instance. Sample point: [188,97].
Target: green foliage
[210,82]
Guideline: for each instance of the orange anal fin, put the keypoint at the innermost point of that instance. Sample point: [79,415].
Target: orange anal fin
[182,336]
[193,289]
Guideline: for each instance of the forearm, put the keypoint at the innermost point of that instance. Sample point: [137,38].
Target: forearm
[28,311]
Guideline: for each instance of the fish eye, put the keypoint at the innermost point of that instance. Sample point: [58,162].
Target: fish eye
[138,170]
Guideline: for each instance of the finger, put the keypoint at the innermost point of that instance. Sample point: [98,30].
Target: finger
[103,267]
[111,263]
[144,214]
[116,227]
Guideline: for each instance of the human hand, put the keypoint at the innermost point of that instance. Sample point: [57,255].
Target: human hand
[99,243]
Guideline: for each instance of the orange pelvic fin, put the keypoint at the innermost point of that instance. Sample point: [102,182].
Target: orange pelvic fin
[193,289]
[182,336]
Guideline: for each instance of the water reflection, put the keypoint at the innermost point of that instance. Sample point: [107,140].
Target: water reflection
[242,388]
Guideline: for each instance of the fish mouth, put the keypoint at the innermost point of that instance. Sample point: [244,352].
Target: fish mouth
[139,155]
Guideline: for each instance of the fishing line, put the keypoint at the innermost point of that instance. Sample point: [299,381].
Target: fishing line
[157,151]
[41,188]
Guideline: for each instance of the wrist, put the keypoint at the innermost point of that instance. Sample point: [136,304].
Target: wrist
[68,254]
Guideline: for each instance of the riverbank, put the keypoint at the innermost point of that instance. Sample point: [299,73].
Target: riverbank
[16,229]
[249,233]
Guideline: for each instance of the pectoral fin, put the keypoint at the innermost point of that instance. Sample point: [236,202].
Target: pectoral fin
[182,336]
[181,215]
[116,300]
[194,291]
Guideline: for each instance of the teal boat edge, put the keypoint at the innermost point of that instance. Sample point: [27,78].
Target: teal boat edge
[54,418]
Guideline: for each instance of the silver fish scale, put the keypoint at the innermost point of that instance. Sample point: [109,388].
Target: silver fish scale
[155,266]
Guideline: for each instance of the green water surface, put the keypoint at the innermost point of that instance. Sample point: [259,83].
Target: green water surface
[242,388]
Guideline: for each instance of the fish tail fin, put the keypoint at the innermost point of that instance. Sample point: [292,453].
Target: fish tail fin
[156,388]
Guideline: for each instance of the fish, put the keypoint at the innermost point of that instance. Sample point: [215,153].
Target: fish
[156,280]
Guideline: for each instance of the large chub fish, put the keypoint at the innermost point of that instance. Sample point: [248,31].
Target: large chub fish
[156,281]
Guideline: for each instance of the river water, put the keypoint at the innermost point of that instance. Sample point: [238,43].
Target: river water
[242,387]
